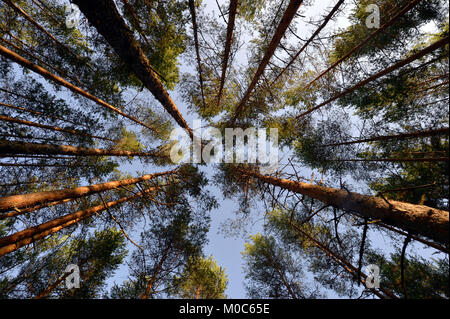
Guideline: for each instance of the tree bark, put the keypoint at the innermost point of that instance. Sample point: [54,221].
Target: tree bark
[103,15]
[9,147]
[288,16]
[402,63]
[401,13]
[54,78]
[40,198]
[53,128]
[229,40]
[15,241]
[441,131]
[417,219]
[197,51]
[150,284]
[324,23]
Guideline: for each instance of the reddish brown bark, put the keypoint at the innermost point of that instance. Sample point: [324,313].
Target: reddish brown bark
[8,147]
[22,238]
[288,16]
[417,219]
[324,23]
[54,78]
[374,77]
[33,199]
[105,17]
[229,40]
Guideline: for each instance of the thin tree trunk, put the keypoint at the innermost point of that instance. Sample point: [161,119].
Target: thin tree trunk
[53,128]
[435,159]
[36,113]
[197,51]
[288,16]
[436,132]
[39,198]
[418,219]
[18,212]
[104,16]
[54,78]
[325,22]
[41,28]
[50,288]
[381,29]
[384,72]
[15,241]
[344,264]
[232,11]
[150,284]
[9,147]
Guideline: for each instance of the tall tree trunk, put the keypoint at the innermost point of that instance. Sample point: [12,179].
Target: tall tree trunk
[418,219]
[431,159]
[402,63]
[324,23]
[53,128]
[343,263]
[436,132]
[401,13]
[150,284]
[52,286]
[232,11]
[280,274]
[39,198]
[288,16]
[15,241]
[15,107]
[197,50]
[54,78]
[107,20]
[9,147]
[41,28]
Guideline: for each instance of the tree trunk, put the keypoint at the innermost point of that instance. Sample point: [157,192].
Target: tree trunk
[197,51]
[288,16]
[325,22]
[150,284]
[401,13]
[104,16]
[54,78]
[343,263]
[39,198]
[402,63]
[30,19]
[9,147]
[229,40]
[15,241]
[33,111]
[53,128]
[417,219]
[441,131]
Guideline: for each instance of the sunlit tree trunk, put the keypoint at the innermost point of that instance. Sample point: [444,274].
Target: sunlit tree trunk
[22,238]
[9,147]
[287,18]
[40,198]
[104,15]
[418,219]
